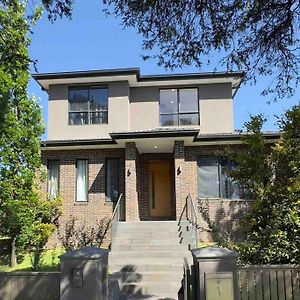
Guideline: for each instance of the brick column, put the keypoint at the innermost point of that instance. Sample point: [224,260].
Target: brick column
[181,184]
[131,194]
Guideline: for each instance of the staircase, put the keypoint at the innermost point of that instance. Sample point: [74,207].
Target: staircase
[147,259]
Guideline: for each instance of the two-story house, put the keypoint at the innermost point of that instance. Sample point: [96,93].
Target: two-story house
[155,140]
[152,138]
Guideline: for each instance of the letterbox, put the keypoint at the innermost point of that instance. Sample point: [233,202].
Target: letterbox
[216,274]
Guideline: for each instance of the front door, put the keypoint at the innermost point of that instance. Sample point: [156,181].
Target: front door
[160,189]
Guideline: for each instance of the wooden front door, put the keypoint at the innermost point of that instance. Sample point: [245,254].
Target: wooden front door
[160,189]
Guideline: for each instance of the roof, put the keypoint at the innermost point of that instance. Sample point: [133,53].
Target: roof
[135,79]
[197,137]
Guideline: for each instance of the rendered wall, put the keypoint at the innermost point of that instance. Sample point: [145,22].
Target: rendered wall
[118,114]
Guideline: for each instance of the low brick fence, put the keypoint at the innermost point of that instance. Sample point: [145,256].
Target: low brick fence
[29,285]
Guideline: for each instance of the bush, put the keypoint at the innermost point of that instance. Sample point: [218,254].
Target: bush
[77,236]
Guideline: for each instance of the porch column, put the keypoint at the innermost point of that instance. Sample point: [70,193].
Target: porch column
[131,194]
[181,184]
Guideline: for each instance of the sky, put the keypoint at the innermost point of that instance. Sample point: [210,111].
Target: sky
[93,41]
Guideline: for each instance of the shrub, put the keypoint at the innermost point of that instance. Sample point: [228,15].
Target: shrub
[78,236]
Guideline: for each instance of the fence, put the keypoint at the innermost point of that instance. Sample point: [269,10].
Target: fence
[270,282]
[29,285]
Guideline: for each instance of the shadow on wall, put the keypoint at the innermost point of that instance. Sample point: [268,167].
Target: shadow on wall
[221,218]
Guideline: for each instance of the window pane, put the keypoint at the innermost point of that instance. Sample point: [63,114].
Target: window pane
[168,120]
[99,117]
[78,100]
[168,101]
[53,177]
[78,118]
[82,180]
[228,187]
[208,177]
[188,119]
[188,100]
[99,99]
[112,179]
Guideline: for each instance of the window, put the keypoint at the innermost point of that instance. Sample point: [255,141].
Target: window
[179,107]
[112,179]
[213,181]
[82,180]
[53,179]
[88,105]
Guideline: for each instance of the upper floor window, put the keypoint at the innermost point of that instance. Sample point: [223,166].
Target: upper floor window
[88,105]
[179,107]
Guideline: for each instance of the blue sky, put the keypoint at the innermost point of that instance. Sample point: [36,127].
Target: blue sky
[93,41]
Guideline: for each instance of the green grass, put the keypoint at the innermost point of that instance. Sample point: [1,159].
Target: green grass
[49,262]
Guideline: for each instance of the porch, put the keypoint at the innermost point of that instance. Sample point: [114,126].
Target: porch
[155,185]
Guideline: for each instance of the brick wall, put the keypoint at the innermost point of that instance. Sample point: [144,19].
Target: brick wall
[223,211]
[134,175]
[131,182]
[97,207]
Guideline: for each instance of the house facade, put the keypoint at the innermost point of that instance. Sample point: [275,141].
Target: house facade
[153,139]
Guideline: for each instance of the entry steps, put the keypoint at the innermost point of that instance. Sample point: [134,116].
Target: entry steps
[147,259]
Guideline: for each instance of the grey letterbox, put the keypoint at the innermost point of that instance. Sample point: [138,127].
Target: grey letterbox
[216,274]
[84,274]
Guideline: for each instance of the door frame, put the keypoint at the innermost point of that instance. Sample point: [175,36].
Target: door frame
[172,190]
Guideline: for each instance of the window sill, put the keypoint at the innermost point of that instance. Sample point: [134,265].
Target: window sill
[77,203]
[224,199]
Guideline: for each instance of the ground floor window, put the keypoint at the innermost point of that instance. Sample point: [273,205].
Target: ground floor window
[82,180]
[213,181]
[53,179]
[112,179]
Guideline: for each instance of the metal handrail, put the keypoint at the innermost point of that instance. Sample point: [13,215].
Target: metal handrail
[117,216]
[192,219]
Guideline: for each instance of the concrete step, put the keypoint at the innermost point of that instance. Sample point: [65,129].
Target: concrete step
[127,277]
[149,247]
[148,234]
[145,260]
[149,254]
[150,267]
[151,288]
[154,241]
[148,223]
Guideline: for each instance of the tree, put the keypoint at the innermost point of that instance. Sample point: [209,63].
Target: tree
[271,176]
[21,209]
[258,36]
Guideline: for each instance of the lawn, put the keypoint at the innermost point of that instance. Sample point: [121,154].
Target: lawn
[50,262]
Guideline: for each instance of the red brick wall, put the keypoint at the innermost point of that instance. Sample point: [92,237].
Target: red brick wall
[137,190]
[131,182]
[224,211]
[97,207]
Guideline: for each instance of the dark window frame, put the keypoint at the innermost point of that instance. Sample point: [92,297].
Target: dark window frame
[178,113]
[58,179]
[107,199]
[89,112]
[87,183]
[221,160]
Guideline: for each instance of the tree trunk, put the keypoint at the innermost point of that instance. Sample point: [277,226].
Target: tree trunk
[13,254]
